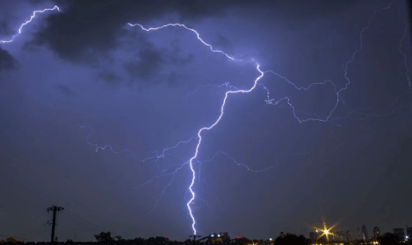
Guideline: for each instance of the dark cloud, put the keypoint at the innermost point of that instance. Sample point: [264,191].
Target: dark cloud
[109,77]
[65,90]
[147,65]
[87,29]
[183,60]
[7,62]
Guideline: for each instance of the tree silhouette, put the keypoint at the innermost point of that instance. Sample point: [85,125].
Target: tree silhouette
[12,240]
[388,239]
[291,239]
[104,237]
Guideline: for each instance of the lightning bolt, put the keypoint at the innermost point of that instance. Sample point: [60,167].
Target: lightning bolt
[199,133]
[29,21]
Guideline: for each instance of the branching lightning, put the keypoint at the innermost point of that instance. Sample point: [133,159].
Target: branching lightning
[164,190]
[246,166]
[28,21]
[156,157]
[337,91]
[404,55]
[172,170]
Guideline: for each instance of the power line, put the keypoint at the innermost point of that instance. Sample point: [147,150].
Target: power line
[83,220]
[72,218]
[78,217]
[38,232]
[24,236]
[85,228]
[79,222]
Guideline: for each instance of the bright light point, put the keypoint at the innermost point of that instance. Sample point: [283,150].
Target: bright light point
[326,232]
[270,239]
[317,231]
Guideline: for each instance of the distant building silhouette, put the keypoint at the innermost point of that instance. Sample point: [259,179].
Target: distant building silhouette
[376,233]
[364,233]
[341,235]
[400,233]
[348,235]
[409,232]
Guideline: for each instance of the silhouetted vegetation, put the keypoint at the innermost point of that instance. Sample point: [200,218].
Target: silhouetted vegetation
[291,239]
[104,237]
[388,239]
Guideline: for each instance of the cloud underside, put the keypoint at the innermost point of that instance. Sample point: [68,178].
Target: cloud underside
[86,32]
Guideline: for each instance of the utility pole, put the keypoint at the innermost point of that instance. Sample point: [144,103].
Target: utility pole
[54,209]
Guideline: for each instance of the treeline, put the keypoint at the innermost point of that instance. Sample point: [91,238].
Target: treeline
[291,239]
